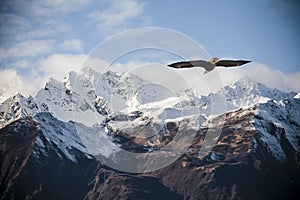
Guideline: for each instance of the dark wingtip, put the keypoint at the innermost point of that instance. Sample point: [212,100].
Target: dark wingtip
[246,61]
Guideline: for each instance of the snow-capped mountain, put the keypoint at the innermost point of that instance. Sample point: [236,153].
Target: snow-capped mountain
[120,102]
[91,115]
[82,93]
[245,92]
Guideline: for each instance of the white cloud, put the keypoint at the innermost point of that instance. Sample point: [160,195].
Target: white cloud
[12,83]
[12,24]
[118,15]
[22,64]
[57,25]
[73,45]
[48,8]
[59,65]
[27,48]
[45,32]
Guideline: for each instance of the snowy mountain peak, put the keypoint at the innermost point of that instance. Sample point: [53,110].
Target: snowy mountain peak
[15,108]
[245,80]
[247,92]
[247,84]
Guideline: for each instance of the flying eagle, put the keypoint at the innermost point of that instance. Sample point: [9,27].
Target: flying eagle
[209,65]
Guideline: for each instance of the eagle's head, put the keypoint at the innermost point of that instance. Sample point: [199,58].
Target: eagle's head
[214,60]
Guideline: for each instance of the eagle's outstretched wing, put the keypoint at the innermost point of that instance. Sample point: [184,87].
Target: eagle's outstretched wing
[193,63]
[183,64]
[231,63]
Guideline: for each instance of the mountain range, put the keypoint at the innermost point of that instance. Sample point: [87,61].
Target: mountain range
[117,136]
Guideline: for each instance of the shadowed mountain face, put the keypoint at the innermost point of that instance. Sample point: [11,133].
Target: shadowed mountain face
[23,175]
[256,156]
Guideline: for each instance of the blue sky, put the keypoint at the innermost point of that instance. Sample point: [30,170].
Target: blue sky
[266,31]
[39,39]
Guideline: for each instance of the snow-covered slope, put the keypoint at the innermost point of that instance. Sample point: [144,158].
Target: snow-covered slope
[65,138]
[243,93]
[279,119]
